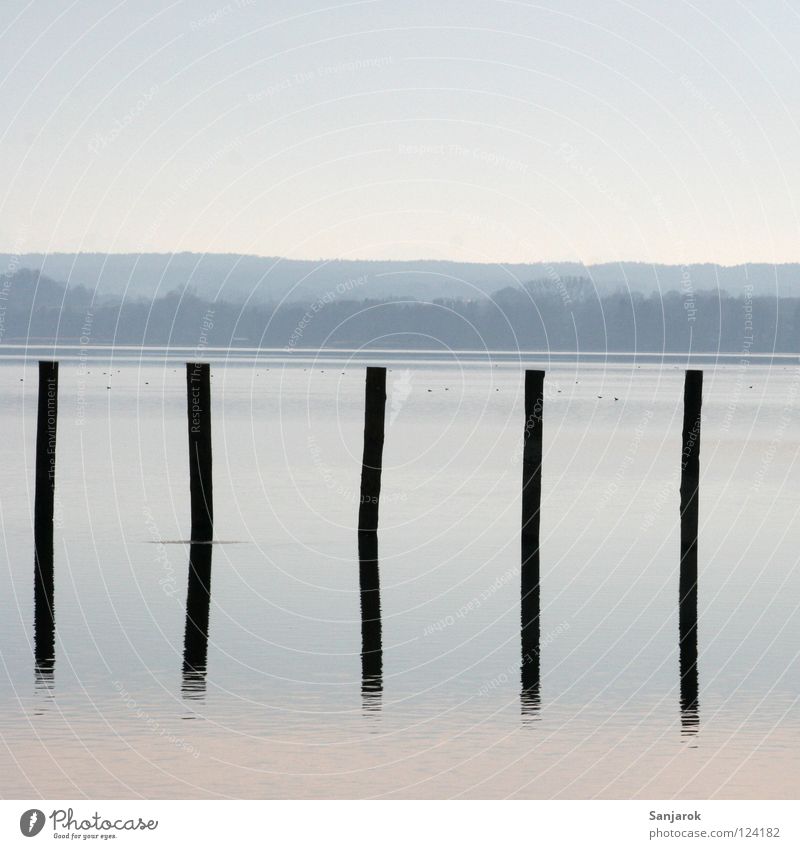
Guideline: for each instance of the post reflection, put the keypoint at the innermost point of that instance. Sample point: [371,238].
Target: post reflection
[690,683]
[690,688]
[531,629]
[198,602]
[44,625]
[371,638]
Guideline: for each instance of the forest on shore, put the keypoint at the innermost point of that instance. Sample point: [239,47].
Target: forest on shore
[542,315]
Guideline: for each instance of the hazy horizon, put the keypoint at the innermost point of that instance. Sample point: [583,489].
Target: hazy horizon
[471,131]
[6,251]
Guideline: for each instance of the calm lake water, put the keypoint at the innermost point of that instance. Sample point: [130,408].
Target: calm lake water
[280,711]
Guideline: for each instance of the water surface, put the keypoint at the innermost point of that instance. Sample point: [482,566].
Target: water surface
[276,705]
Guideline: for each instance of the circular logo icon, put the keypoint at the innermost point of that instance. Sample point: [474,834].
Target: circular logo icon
[31,822]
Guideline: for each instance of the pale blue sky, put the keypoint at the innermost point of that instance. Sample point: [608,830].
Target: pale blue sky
[471,130]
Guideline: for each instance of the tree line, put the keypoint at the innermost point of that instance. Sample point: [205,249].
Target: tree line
[543,315]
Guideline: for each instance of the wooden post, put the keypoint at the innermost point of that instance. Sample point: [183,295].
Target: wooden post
[374,418]
[44,502]
[687,593]
[531,510]
[198,390]
[369,577]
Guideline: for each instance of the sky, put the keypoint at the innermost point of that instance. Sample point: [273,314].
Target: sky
[474,130]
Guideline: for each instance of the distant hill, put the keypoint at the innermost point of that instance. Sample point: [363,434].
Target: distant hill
[542,315]
[238,278]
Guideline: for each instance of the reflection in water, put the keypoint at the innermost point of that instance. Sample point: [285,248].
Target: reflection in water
[690,685]
[687,627]
[198,601]
[44,628]
[531,629]
[371,643]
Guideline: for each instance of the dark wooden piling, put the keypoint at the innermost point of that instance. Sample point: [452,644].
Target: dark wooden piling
[44,503]
[369,576]
[371,629]
[372,462]
[198,605]
[531,511]
[198,392]
[687,592]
